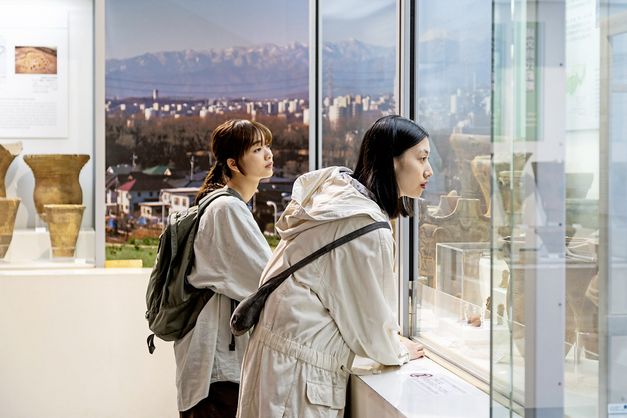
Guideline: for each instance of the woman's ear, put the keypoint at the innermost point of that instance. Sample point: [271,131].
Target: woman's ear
[230,162]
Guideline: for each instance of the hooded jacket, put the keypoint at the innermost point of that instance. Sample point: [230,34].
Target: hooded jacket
[299,355]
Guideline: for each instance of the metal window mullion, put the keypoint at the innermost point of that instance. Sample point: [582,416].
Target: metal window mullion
[99,131]
[315,87]
[544,277]
[406,237]
[603,255]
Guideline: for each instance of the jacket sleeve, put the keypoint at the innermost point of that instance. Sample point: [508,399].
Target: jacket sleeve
[230,250]
[358,283]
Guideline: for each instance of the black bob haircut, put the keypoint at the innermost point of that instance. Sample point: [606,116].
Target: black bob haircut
[386,139]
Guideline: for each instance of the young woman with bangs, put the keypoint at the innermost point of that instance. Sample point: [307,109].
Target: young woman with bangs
[230,255]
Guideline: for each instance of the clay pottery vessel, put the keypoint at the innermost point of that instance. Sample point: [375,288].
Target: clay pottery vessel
[8,210]
[56,179]
[7,153]
[510,186]
[447,205]
[482,169]
[580,312]
[64,224]
[466,147]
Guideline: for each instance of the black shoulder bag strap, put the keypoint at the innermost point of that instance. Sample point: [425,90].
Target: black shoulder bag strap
[247,312]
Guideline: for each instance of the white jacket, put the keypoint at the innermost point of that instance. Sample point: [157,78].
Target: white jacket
[297,360]
[230,254]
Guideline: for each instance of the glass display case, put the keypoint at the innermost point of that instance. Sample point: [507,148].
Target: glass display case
[47,134]
[454,314]
[521,233]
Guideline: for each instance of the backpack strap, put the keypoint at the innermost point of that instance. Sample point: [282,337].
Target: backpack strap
[202,206]
[206,201]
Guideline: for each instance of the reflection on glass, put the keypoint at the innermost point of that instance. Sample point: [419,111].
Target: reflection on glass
[358,64]
[614,259]
[523,232]
[452,304]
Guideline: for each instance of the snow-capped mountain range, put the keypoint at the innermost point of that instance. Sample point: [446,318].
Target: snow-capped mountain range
[263,72]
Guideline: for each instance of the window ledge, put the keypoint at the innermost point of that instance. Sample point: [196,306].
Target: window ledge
[421,388]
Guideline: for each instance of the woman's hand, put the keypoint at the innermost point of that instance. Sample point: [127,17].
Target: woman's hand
[415,350]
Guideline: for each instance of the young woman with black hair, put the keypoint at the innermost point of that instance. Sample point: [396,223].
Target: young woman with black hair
[230,254]
[298,359]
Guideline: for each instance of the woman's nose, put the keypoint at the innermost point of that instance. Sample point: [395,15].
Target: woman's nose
[268,153]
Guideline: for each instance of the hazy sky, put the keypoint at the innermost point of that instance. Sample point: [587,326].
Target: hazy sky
[134,27]
[138,26]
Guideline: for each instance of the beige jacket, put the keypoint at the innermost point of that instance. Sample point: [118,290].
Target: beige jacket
[296,363]
[230,254]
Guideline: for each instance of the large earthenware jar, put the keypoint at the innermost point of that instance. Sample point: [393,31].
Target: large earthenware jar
[8,210]
[64,224]
[7,153]
[56,179]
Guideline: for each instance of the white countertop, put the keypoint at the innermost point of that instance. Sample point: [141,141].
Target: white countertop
[424,389]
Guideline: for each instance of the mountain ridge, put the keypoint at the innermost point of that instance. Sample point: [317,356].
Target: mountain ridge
[263,71]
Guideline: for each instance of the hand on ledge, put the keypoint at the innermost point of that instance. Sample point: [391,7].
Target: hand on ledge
[415,350]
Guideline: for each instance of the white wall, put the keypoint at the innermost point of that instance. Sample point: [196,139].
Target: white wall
[73,344]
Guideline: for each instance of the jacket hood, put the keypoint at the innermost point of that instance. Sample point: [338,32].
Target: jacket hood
[323,196]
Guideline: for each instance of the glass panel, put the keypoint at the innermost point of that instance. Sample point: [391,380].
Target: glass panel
[451,300]
[47,134]
[358,73]
[581,363]
[614,258]
[525,287]
[563,234]
[165,93]
[543,259]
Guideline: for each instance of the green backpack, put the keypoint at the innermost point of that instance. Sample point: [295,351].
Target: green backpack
[174,304]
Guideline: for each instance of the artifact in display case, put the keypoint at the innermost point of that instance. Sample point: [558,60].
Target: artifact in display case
[581,212]
[64,224]
[482,171]
[464,222]
[581,311]
[8,206]
[56,179]
[466,147]
[458,329]
[58,197]
[578,243]
[8,152]
[459,273]
[8,211]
